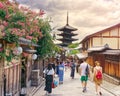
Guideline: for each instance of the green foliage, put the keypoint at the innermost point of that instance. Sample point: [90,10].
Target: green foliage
[6,56]
[11,38]
[9,58]
[73,45]
[73,52]
[2,54]
[2,14]
[47,46]
[17,17]
[15,25]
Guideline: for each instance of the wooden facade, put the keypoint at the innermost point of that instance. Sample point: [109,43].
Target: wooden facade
[95,56]
[1,78]
[17,73]
[12,71]
[112,63]
[103,37]
[109,59]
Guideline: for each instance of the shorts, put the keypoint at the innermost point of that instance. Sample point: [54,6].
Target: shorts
[84,78]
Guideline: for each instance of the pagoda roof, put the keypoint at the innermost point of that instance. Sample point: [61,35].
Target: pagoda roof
[70,34]
[67,27]
[67,39]
[64,44]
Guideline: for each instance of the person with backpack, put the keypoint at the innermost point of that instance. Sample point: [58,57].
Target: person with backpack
[97,77]
[84,71]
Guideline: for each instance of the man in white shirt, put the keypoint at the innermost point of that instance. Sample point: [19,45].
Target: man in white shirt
[84,72]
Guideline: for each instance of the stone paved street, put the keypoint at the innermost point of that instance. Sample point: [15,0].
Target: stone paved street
[72,87]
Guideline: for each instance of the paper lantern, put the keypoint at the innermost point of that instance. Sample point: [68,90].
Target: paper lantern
[17,50]
[0,45]
[34,56]
[20,50]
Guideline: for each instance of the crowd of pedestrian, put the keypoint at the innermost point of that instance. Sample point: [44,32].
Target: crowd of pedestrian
[58,69]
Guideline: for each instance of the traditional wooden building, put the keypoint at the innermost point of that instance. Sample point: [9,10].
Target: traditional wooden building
[104,46]
[16,69]
[11,70]
[29,76]
[67,34]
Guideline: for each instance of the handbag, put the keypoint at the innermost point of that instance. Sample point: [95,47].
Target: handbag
[55,83]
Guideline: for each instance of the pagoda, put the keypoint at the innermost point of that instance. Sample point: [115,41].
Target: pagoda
[66,34]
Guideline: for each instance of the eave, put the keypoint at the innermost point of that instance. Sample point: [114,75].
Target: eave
[67,27]
[99,32]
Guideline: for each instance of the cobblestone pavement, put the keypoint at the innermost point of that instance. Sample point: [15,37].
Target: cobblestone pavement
[72,87]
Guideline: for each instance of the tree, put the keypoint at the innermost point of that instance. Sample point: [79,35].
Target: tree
[72,47]
[47,46]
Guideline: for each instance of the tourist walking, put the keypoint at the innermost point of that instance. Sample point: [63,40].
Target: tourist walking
[49,74]
[72,74]
[84,73]
[61,72]
[97,77]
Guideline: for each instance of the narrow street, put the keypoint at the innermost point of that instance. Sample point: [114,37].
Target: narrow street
[72,87]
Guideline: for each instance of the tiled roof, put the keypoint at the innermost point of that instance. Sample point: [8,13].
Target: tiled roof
[29,50]
[112,52]
[98,48]
[81,56]
[26,42]
[67,27]
[101,31]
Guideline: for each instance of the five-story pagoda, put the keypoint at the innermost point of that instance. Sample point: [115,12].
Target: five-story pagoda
[67,34]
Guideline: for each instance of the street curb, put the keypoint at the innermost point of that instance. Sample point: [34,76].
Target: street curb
[36,89]
[109,91]
[106,89]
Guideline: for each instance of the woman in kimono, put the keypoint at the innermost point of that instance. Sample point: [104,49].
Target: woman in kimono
[61,72]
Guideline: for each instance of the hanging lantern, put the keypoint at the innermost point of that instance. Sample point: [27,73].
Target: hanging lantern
[34,56]
[0,45]
[20,50]
[17,50]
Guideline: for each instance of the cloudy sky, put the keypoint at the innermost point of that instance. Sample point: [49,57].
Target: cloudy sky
[88,16]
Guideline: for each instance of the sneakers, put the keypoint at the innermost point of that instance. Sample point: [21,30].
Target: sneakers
[84,89]
[100,93]
[46,93]
[49,94]
[96,93]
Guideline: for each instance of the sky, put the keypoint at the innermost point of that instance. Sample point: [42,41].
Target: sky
[88,16]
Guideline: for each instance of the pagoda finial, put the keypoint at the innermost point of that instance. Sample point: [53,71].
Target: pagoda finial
[67,17]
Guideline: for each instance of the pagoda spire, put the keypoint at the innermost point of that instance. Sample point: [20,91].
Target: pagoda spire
[67,18]
[67,34]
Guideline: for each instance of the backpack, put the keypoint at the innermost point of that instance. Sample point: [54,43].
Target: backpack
[87,70]
[99,74]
